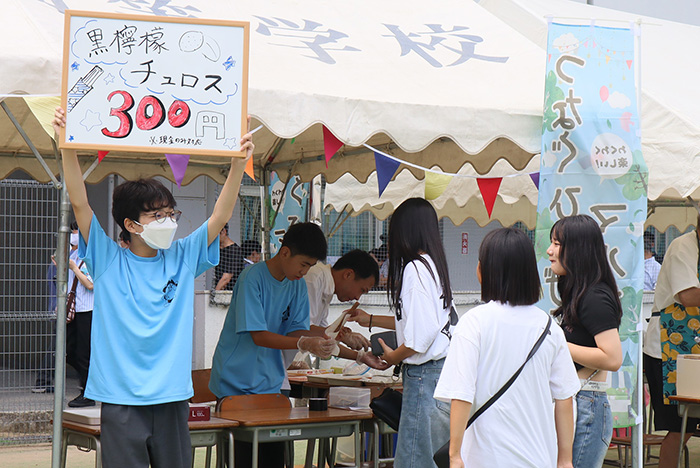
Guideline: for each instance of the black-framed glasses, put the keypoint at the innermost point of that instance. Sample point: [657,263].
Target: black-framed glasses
[161,215]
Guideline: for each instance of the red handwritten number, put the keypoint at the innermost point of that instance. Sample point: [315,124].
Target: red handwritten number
[125,121]
[178,113]
[143,121]
[150,114]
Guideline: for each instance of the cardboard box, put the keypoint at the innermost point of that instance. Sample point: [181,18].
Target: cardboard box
[688,375]
[199,412]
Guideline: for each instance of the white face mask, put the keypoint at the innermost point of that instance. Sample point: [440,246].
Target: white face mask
[74,238]
[158,235]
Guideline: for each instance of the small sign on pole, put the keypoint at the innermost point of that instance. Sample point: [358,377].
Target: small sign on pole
[465,243]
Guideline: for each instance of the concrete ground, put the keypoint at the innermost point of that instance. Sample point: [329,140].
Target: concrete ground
[39,456]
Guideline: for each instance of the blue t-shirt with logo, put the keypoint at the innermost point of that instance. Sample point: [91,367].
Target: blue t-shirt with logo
[141,348]
[259,303]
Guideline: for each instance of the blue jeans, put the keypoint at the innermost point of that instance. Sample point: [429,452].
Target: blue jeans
[425,421]
[593,429]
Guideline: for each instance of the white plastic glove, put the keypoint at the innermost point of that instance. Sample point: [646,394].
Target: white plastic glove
[317,345]
[353,340]
[375,362]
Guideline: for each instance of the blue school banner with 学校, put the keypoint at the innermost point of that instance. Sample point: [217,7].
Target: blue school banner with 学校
[591,163]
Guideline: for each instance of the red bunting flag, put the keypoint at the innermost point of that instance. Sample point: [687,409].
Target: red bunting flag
[101,155]
[331,144]
[489,190]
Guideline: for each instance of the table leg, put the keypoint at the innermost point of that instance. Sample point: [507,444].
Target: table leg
[98,453]
[376,436]
[255,449]
[358,446]
[684,409]
[309,453]
[231,446]
[64,449]
[321,453]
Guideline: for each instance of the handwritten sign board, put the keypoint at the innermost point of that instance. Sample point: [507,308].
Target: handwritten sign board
[154,84]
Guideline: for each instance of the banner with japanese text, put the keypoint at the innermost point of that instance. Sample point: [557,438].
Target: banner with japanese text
[287,206]
[591,163]
[154,84]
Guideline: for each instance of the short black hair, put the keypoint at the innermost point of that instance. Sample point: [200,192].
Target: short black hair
[74,226]
[306,239]
[249,246]
[134,197]
[125,236]
[225,227]
[509,268]
[361,263]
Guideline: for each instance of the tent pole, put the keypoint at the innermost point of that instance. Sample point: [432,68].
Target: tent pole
[638,403]
[60,366]
[29,143]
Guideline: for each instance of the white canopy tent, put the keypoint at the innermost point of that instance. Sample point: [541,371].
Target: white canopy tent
[670,130]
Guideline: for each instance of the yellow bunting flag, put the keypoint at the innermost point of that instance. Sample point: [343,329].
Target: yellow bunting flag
[435,184]
[43,109]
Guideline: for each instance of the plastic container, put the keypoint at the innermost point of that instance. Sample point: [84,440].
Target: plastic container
[349,397]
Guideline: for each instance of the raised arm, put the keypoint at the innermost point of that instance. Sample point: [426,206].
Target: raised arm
[223,209]
[73,178]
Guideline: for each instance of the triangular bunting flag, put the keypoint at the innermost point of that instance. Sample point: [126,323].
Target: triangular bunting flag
[249,168]
[43,109]
[330,144]
[629,64]
[101,155]
[178,164]
[489,190]
[435,184]
[386,168]
[607,59]
[535,176]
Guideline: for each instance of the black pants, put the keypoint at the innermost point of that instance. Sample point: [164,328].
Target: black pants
[78,344]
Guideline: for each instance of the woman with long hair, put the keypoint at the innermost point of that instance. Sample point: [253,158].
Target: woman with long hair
[490,343]
[418,287]
[590,315]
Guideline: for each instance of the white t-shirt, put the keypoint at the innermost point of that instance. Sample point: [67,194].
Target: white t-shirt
[678,273]
[422,314]
[488,345]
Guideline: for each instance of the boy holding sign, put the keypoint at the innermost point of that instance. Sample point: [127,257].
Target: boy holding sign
[140,366]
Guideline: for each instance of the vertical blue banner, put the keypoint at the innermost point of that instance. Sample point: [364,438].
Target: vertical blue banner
[591,163]
[291,204]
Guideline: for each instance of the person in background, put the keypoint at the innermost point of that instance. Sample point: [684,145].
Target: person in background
[251,252]
[522,428]
[78,331]
[419,293]
[676,300]
[651,266]
[230,262]
[590,314]
[45,362]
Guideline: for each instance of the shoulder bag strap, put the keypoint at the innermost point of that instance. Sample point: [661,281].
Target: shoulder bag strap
[74,285]
[507,385]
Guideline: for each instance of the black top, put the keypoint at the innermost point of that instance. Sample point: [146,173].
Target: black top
[597,312]
[230,261]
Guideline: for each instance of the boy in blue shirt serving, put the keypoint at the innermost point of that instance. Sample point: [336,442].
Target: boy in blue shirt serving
[269,312]
[140,364]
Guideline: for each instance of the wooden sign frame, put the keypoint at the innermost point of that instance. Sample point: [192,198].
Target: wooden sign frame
[147,107]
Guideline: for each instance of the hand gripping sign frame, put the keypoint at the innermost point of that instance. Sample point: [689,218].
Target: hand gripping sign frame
[153,84]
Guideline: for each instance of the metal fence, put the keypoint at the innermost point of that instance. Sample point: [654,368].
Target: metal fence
[28,227]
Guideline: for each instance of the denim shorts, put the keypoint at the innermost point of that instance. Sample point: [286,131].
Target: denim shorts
[593,429]
[425,421]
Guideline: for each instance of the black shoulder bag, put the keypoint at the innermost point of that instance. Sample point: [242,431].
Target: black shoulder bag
[442,456]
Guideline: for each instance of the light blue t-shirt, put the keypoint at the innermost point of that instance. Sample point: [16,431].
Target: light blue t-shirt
[259,303]
[141,348]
